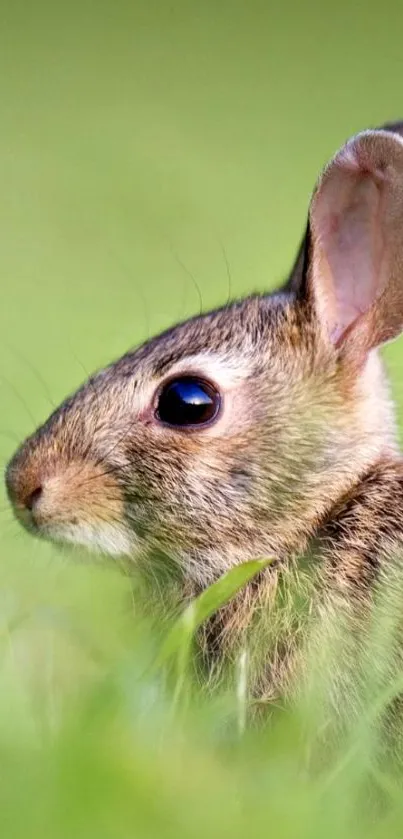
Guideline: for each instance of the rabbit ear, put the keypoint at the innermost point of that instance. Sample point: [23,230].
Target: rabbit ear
[354,251]
[297,277]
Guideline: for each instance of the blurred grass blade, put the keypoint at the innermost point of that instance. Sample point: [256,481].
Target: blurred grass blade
[206,604]
[242,690]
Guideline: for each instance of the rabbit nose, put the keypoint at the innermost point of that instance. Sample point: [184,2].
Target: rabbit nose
[32,498]
[24,491]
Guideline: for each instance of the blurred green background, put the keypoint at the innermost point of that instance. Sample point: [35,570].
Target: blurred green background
[142,143]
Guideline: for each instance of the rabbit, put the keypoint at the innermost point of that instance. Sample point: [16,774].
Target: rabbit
[264,428]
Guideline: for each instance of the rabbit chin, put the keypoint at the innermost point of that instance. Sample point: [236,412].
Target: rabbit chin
[112,539]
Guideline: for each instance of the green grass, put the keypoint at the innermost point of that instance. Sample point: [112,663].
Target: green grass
[137,138]
[104,733]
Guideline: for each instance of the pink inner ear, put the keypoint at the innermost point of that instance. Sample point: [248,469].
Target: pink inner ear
[352,243]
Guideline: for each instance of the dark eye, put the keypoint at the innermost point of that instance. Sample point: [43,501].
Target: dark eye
[188,401]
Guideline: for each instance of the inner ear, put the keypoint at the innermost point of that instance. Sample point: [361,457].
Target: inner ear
[355,272]
[349,248]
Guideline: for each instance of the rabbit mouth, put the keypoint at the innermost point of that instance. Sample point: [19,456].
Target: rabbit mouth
[110,538]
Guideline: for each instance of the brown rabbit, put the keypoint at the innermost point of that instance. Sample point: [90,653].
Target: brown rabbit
[264,428]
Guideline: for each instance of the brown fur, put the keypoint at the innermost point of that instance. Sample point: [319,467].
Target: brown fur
[302,460]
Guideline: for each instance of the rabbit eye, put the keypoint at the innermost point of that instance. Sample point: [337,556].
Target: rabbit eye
[188,401]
